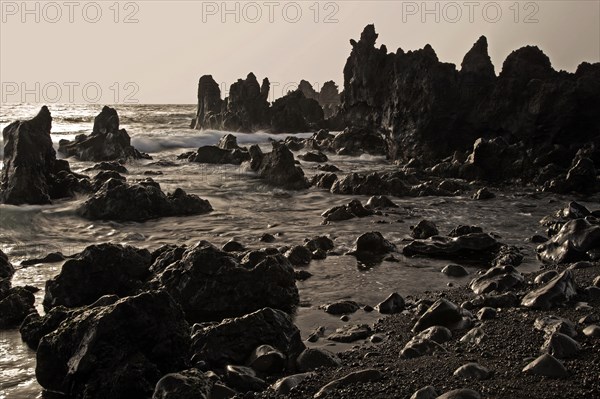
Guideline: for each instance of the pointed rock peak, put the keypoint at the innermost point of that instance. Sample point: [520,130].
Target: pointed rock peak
[369,36]
[251,76]
[43,120]
[429,52]
[527,62]
[478,61]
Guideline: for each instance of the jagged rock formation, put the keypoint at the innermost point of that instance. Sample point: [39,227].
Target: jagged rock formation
[106,143]
[430,110]
[247,108]
[32,174]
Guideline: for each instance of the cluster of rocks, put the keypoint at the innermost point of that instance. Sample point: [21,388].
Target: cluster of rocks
[530,122]
[107,142]
[31,173]
[247,108]
[329,96]
[15,302]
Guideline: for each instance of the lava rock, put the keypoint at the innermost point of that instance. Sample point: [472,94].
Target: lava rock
[427,392]
[317,157]
[15,305]
[560,289]
[392,304]
[146,336]
[299,255]
[278,168]
[356,141]
[455,271]
[266,359]
[356,377]
[186,384]
[232,341]
[547,366]
[472,371]
[341,307]
[210,284]
[424,229]
[99,270]
[483,194]
[499,278]
[574,242]
[284,386]
[244,379]
[350,333]
[473,247]
[441,313]
[106,142]
[311,359]
[120,201]
[561,346]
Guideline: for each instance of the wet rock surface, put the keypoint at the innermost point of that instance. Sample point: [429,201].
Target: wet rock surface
[31,172]
[107,142]
[121,201]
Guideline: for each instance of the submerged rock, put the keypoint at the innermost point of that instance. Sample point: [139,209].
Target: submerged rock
[354,209]
[145,335]
[424,229]
[106,142]
[472,247]
[210,284]
[120,201]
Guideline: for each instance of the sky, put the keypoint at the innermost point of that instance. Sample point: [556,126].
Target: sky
[155,51]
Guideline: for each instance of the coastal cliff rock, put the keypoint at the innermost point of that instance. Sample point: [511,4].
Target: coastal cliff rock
[107,142]
[31,173]
[247,108]
[430,110]
[278,167]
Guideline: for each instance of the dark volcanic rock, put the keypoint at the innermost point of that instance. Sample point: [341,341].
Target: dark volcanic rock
[232,341]
[499,278]
[341,307]
[121,350]
[560,289]
[119,201]
[31,173]
[311,359]
[350,333]
[547,366]
[357,141]
[299,255]
[371,247]
[6,268]
[356,377]
[430,110]
[392,304]
[186,384]
[278,168]
[106,142]
[208,115]
[295,113]
[424,229]
[105,269]
[114,166]
[577,240]
[476,246]
[318,157]
[211,154]
[442,313]
[210,284]
[345,212]
[15,305]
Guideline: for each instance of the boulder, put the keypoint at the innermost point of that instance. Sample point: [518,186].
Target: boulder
[15,305]
[560,289]
[311,359]
[186,384]
[499,278]
[546,366]
[442,313]
[455,271]
[394,303]
[356,141]
[278,168]
[350,333]
[232,341]
[104,269]
[145,335]
[354,209]
[120,201]
[210,284]
[341,307]
[424,229]
[284,386]
[462,393]
[356,377]
[561,346]
[266,360]
[474,247]
[106,142]
[472,371]
[427,392]
[211,154]
[6,268]
[577,240]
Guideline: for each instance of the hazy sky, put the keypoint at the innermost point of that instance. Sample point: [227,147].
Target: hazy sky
[159,58]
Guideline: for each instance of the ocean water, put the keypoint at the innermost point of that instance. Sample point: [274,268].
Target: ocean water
[245,208]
